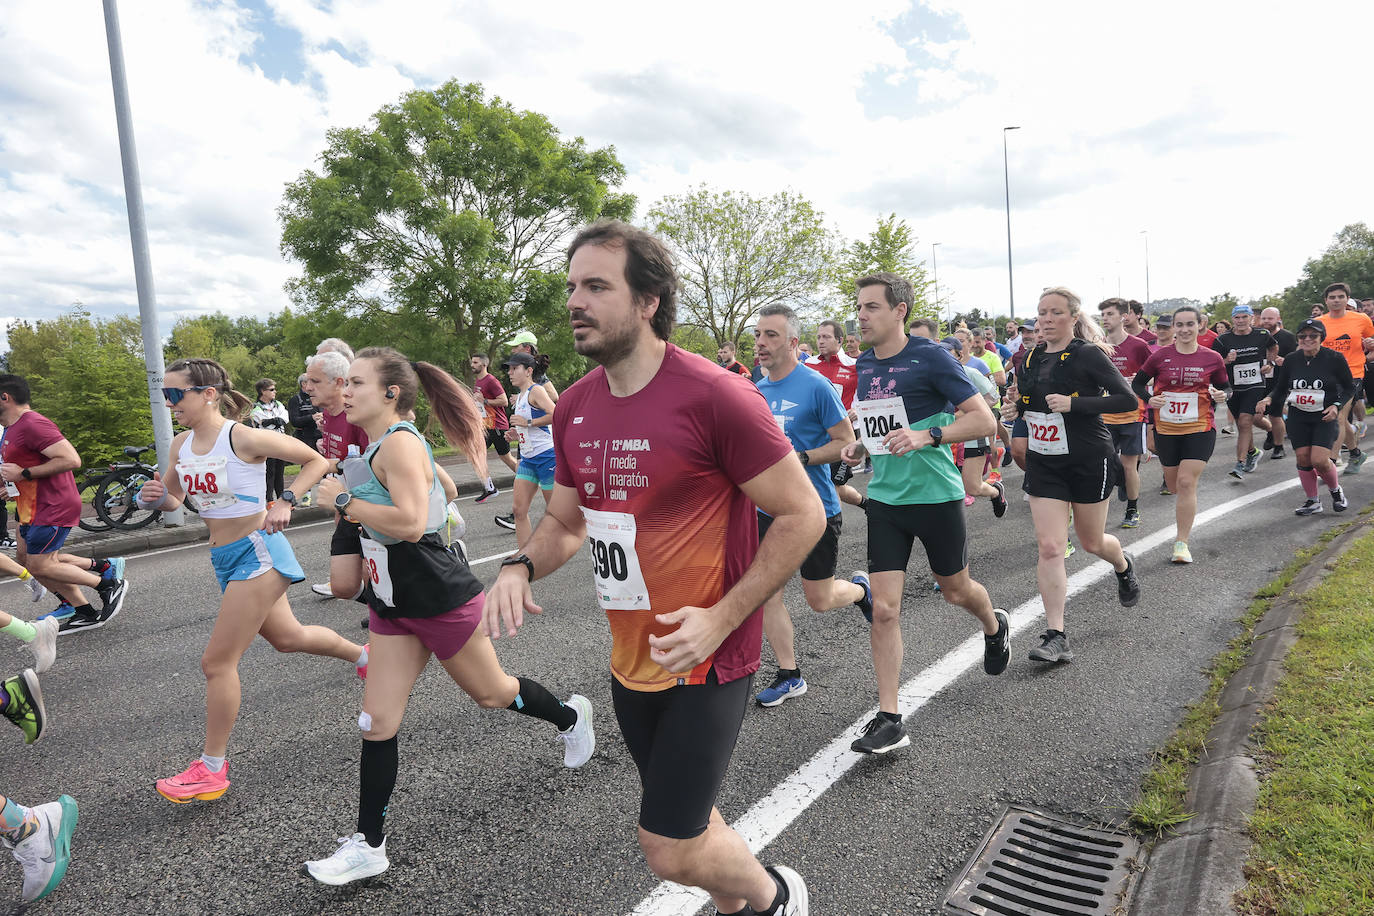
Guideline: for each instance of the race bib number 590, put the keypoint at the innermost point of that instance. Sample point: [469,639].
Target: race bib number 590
[615,564]
[877,418]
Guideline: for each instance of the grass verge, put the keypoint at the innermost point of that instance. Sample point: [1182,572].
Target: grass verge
[1162,801]
[1314,821]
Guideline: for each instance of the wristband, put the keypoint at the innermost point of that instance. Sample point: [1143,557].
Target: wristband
[520,560]
[143,505]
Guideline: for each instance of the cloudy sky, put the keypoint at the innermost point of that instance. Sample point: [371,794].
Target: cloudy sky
[1235,133]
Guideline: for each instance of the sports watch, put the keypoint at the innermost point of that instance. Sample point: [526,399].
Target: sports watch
[289,498]
[520,560]
[342,500]
[937,435]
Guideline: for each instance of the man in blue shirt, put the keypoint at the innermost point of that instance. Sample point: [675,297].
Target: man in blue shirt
[808,411]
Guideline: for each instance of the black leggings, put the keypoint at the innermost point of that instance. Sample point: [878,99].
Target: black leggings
[276,478]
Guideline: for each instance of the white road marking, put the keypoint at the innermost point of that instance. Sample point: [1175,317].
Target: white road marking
[763,822]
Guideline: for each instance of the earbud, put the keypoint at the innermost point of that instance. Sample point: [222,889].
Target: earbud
[391,395]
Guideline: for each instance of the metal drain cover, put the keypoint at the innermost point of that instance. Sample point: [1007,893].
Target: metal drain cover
[1035,863]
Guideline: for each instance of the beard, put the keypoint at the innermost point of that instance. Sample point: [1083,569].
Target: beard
[613,345]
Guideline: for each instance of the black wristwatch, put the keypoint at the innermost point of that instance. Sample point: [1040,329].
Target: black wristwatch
[937,434]
[26,474]
[805,458]
[520,560]
[289,498]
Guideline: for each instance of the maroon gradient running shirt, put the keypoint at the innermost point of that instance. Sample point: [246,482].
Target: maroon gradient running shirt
[1183,380]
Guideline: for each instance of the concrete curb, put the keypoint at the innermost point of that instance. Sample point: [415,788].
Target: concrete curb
[120,544]
[1201,867]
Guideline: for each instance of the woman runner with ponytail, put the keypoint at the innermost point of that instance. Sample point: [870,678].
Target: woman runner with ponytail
[219,464]
[424,600]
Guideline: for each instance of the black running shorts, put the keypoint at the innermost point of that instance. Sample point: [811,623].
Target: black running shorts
[347,539]
[681,740]
[496,438]
[1128,438]
[1188,447]
[1304,433]
[893,530]
[820,562]
[1244,400]
[1071,479]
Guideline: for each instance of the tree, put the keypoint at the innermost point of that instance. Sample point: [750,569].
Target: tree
[439,228]
[889,247]
[1218,308]
[1348,259]
[738,253]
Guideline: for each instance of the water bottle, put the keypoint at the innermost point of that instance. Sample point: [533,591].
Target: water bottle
[355,469]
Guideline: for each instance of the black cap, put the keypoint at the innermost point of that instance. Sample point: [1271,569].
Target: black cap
[952,344]
[1311,324]
[518,359]
[1164,321]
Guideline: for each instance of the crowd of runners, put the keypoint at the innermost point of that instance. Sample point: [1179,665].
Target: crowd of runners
[692,529]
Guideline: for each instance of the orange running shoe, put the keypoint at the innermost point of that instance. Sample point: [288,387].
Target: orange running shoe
[195,783]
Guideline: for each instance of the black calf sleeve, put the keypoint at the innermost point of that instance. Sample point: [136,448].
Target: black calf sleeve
[377,778]
[534,700]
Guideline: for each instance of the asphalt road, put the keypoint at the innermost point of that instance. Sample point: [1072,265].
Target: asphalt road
[486,821]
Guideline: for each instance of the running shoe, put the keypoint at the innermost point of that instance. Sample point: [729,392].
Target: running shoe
[1268,441]
[44,645]
[1069,549]
[25,706]
[506,521]
[999,502]
[1338,500]
[1132,519]
[38,589]
[61,613]
[579,742]
[1006,458]
[782,689]
[79,622]
[1310,507]
[111,592]
[880,735]
[864,604]
[1164,490]
[352,861]
[1252,460]
[997,647]
[969,500]
[994,476]
[1340,463]
[322,589]
[1362,428]
[798,902]
[1127,586]
[1278,452]
[1054,647]
[1238,471]
[8,543]
[1181,553]
[1356,461]
[486,495]
[195,783]
[45,853]
[1227,431]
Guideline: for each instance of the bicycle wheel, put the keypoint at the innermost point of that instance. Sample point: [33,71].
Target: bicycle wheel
[115,499]
[91,484]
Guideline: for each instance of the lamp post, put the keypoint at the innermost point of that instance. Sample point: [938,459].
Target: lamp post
[1146,233]
[935,271]
[1006,184]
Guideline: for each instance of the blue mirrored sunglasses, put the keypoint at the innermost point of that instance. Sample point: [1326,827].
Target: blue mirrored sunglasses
[174,395]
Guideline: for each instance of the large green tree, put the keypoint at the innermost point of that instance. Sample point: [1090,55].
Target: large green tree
[891,247]
[738,253]
[1348,259]
[439,228]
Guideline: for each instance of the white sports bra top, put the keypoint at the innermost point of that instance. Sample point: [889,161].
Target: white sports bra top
[222,484]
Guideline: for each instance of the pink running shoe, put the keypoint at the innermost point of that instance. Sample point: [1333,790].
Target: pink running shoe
[362,669]
[195,783]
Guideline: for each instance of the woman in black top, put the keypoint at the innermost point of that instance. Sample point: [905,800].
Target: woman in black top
[1067,384]
[1315,383]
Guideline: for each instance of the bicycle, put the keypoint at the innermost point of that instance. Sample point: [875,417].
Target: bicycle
[116,496]
[91,478]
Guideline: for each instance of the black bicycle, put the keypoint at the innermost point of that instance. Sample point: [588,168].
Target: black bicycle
[116,495]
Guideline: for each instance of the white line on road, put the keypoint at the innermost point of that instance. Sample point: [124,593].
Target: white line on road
[762,823]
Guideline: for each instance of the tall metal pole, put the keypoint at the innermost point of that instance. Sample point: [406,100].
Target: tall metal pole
[1146,233]
[1006,184]
[138,236]
[935,270]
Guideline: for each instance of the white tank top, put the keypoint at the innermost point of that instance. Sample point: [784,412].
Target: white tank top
[534,440]
[221,483]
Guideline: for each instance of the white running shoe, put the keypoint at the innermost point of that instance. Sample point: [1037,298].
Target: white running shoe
[322,589]
[352,861]
[44,645]
[798,898]
[44,854]
[579,742]
[39,590]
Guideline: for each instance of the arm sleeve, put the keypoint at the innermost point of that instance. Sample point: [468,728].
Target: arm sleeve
[1100,371]
[1221,376]
[1141,383]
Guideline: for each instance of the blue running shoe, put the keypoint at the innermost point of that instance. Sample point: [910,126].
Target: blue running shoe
[864,604]
[783,688]
[63,612]
[115,570]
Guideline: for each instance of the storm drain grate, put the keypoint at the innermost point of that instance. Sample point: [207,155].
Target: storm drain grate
[1032,863]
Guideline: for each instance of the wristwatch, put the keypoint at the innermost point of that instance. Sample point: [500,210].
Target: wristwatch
[520,560]
[342,500]
[937,434]
[289,498]
[805,458]
[26,474]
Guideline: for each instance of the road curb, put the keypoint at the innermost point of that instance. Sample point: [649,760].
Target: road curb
[1201,867]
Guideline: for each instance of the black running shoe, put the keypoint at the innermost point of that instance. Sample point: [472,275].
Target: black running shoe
[1268,441]
[1338,501]
[1278,452]
[506,521]
[997,647]
[111,592]
[1127,587]
[79,622]
[1054,647]
[999,502]
[1311,507]
[1006,459]
[880,735]
[486,495]
[864,604]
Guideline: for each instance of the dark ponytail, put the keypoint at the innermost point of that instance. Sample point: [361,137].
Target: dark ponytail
[541,364]
[210,374]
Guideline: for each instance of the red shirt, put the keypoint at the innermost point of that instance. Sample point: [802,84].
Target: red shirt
[1207,338]
[491,389]
[1128,357]
[1186,374]
[739,368]
[839,371]
[51,500]
[661,469]
[337,434]
[1147,335]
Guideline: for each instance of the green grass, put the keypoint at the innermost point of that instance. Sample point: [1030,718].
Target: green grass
[1163,793]
[1314,823]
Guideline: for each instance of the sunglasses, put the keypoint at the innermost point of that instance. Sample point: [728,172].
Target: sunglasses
[1309,337]
[174,395]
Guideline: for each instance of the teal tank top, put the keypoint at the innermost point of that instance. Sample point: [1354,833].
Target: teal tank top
[364,485]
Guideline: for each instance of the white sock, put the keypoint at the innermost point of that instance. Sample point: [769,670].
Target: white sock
[362,659]
[213,764]
[490,485]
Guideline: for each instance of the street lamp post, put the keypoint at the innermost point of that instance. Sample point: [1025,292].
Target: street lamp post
[935,271]
[1006,184]
[1146,233]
